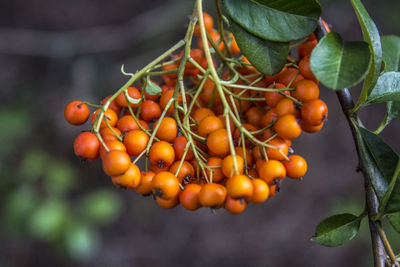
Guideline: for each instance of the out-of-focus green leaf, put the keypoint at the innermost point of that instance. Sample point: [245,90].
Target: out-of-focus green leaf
[394,220]
[17,207]
[81,241]
[34,164]
[48,220]
[60,177]
[280,21]
[386,89]
[339,64]
[266,56]
[372,37]
[337,230]
[101,206]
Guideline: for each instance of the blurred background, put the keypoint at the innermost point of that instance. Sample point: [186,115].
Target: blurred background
[55,211]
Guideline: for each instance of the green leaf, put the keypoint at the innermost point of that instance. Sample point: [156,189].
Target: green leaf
[386,89]
[371,36]
[339,64]
[393,110]
[380,161]
[391,52]
[101,206]
[47,222]
[281,21]
[131,99]
[60,177]
[152,88]
[394,220]
[81,241]
[266,56]
[337,230]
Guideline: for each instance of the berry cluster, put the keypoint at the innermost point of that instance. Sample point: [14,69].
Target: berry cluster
[205,140]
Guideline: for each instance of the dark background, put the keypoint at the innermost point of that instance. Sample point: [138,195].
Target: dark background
[55,211]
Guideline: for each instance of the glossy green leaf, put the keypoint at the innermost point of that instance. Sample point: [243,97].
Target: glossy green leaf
[152,88]
[337,230]
[380,161]
[386,89]
[266,56]
[391,52]
[394,220]
[101,206]
[131,99]
[279,20]
[339,64]
[372,37]
[391,59]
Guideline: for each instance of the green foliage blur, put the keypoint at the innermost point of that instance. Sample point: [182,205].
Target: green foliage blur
[39,192]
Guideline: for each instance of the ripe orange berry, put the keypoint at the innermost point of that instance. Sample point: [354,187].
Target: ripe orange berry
[113,105]
[172,66]
[161,154]
[180,143]
[254,115]
[165,185]
[305,70]
[86,145]
[189,197]
[150,110]
[269,117]
[272,171]
[109,115]
[218,142]
[249,158]
[165,97]
[76,113]
[287,106]
[167,203]
[305,50]
[287,77]
[116,162]
[136,142]
[201,113]
[305,90]
[130,179]
[235,206]
[127,123]
[273,98]
[227,165]
[144,187]
[186,172]
[212,195]
[108,135]
[314,112]
[208,24]
[287,127]
[132,92]
[112,145]
[234,48]
[209,124]
[260,191]
[215,164]
[239,186]
[310,128]
[167,130]
[296,166]
[274,153]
